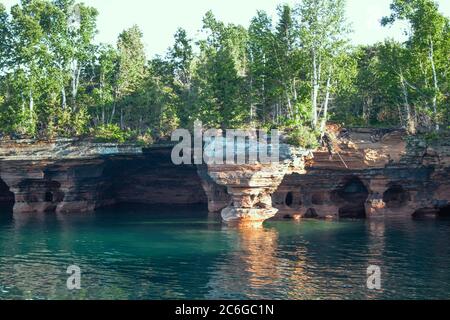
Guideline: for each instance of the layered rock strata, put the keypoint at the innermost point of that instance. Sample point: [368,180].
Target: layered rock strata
[251,185]
[71,177]
[371,174]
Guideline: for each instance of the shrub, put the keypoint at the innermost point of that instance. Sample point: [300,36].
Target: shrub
[303,137]
[145,139]
[110,133]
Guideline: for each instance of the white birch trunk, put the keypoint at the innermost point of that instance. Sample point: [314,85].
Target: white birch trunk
[410,126]
[315,93]
[76,71]
[31,106]
[325,108]
[436,85]
[64,98]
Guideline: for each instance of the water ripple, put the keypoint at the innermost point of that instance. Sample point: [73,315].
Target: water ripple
[150,256]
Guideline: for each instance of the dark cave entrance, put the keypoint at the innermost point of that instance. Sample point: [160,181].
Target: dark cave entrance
[6,198]
[48,197]
[444,212]
[311,213]
[352,197]
[424,213]
[396,197]
[289,199]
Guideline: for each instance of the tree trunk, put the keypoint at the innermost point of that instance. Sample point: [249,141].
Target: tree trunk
[410,125]
[121,118]
[436,85]
[31,106]
[289,103]
[325,108]
[75,83]
[295,90]
[113,113]
[365,110]
[64,98]
[295,96]
[315,93]
[251,108]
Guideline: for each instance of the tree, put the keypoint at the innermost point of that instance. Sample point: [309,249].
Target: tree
[5,39]
[181,65]
[286,38]
[261,77]
[220,79]
[132,67]
[43,47]
[293,73]
[427,44]
[323,34]
[105,74]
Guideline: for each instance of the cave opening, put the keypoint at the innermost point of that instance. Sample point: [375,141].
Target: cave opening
[444,212]
[311,213]
[289,199]
[352,196]
[6,198]
[433,212]
[48,197]
[396,197]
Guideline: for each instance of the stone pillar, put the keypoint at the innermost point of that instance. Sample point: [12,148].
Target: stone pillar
[251,188]
[375,206]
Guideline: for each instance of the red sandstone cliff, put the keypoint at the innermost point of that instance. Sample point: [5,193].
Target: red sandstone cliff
[371,173]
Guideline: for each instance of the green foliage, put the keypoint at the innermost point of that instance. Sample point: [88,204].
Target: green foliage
[145,139]
[303,137]
[432,137]
[295,71]
[110,133]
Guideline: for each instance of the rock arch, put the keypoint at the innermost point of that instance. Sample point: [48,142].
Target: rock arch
[351,196]
[38,196]
[396,197]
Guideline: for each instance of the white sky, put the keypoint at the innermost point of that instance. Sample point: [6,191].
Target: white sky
[160,19]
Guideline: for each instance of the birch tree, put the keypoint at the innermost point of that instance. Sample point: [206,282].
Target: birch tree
[429,33]
[323,34]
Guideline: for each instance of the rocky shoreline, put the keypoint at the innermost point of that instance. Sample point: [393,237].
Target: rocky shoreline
[370,173]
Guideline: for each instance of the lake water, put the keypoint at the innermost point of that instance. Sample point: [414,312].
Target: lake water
[184,253]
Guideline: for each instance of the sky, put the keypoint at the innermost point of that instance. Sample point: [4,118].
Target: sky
[159,19]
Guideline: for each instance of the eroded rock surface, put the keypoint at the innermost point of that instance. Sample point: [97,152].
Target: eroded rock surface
[372,174]
[251,186]
[75,177]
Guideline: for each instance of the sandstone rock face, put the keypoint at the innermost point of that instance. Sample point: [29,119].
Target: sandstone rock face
[374,175]
[218,197]
[73,177]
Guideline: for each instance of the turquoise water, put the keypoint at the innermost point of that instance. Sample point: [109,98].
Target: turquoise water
[182,253]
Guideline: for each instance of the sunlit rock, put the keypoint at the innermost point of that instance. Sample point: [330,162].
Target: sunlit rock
[251,185]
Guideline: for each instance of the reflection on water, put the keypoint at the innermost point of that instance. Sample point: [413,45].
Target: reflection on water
[184,253]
